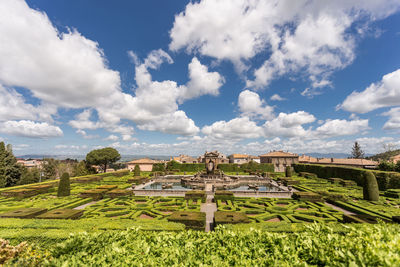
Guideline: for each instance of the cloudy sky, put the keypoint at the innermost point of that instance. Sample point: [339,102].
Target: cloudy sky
[170,77]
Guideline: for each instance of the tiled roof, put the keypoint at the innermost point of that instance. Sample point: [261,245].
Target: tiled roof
[143,161]
[304,158]
[239,156]
[337,161]
[279,154]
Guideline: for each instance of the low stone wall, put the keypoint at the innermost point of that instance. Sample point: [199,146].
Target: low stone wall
[262,194]
[176,193]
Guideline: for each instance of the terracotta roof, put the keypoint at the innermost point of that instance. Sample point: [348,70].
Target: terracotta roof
[143,161]
[239,156]
[279,154]
[395,158]
[309,159]
[353,162]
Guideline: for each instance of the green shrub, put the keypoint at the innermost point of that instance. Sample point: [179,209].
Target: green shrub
[307,196]
[23,213]
[158,167]
[191,219]
[393,193]
[229,167]
[107,187]
[64,187]
[288,171]
[136,170]
[20,193]
[223,195]
[196,194]
[119,193]
[230,217]
[95,194]
[370,188]
[385,180]
[359,218]
[61,214]
[348,183]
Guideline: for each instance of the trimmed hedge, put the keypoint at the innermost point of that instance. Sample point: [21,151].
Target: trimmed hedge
[223,195]
[64,187]
[119,193]
[307,196]
[191,219]
[137,180]
[286,181]
[185,167]
[95,194]
[61,214]
[359,218]
[393,193]
[108,187]
[230,217]
[43,188]
[385,180]
[196,194]
[229,167]
[88,179]
[370,188]
[158,167]
[20,193]
[23,213]
[288,171]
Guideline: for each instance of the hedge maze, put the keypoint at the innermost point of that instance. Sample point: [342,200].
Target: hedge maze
[277,210]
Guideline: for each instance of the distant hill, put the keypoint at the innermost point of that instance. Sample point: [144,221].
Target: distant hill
[385,155]
[81,157]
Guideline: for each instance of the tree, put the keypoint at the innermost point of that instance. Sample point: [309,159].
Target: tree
[136,170]
[81,169]
[49,168]
[64,187]
[370,187]
[357,152]
[103,157]
[29,176]
[10,170]
[288,171]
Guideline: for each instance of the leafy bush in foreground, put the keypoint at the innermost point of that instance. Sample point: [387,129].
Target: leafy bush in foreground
[363,245]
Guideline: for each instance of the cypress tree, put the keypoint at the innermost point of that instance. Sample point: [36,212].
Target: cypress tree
[64,187]
[136,170]
[288,171]
[370,188]
[10,170]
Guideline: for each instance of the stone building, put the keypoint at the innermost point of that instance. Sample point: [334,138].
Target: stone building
[221,157]
[280,159]
[145,164]
[184,159]
[242,158]
[357,163]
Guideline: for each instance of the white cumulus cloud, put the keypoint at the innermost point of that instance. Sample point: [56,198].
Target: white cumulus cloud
[30,129]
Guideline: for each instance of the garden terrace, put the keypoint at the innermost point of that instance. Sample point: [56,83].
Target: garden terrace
[61,214]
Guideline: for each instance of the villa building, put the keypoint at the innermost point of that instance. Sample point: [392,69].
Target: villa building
[357,163]
[242,158]
[280,159]
[145,164]
[184,159]
[395,159]
[30,163]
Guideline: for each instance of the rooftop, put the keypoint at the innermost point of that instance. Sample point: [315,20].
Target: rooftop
[279,154]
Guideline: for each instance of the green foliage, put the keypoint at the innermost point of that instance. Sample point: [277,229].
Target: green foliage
[387,166]
[81,169]
[385,180]
[29,176]
[10,170]
[223,195]
[317,245]
[196,194]
[307,196]
[185,167]
[49,168]
[158,167]
[370,188]
[64,187]
[23,213]
[229,167]
[191,219]
[230,217]
[253,166]
[136,170]
[61,214]
[288,171]
[103,157]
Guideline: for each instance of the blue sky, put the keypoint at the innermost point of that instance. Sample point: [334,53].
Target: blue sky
[172,77]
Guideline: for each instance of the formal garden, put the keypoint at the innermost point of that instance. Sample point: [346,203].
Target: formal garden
[328,211]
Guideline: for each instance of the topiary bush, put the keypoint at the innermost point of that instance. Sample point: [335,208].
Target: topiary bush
[288,171]
[64,187]
[370,187]
[136,170]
